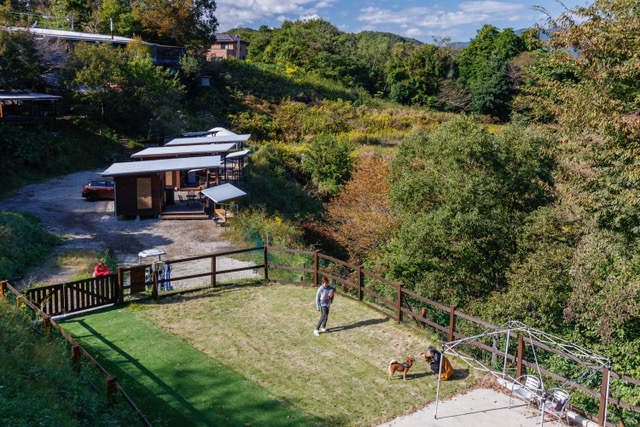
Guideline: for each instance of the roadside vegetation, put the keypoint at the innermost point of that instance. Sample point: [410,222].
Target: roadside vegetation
[24,243]
[39,386]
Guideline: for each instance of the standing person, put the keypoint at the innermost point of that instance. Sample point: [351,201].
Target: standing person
[100,270]
[324,297]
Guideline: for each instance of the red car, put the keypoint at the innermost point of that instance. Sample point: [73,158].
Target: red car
[98,189]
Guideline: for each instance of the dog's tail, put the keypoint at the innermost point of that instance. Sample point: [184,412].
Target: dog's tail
[391,363]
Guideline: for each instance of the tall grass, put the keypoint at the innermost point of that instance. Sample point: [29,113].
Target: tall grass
[24,243]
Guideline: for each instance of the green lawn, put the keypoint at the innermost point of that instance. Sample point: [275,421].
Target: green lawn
[219,356]
[171,382]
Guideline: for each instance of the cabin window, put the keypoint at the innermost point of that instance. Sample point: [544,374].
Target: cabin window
[169,179]
[144,193]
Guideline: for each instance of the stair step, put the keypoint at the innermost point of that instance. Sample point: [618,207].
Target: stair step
[173,216]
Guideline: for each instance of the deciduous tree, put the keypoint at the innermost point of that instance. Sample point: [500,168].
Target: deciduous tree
[360,217]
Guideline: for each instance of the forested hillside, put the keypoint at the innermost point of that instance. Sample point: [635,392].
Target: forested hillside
[502,177]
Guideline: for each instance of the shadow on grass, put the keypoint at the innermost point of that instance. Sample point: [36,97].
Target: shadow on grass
[172,382]
[360,324]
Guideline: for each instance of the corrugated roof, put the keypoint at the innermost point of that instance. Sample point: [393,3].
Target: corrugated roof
[27,96]
[222,193]
[164,165]
[184,149]
[238,154]
[207,140]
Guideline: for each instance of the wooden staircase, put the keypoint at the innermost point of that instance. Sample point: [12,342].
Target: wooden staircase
[183,215]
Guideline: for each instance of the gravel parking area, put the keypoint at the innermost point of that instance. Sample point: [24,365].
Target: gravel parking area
[92,225]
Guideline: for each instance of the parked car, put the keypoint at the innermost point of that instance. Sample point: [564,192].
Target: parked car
[98,189]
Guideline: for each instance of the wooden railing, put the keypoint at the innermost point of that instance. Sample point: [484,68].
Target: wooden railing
[111,383]
[399,310]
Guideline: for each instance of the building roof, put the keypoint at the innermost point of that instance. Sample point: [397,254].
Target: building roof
[226,38]
[222,193]
[238,154]
[27,96]
[79,36]
[208,140]
[178,150]
[164,165]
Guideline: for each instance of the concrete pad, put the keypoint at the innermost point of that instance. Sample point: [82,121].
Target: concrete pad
[478,408]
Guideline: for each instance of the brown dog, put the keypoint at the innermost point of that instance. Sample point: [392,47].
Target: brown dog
[395,366]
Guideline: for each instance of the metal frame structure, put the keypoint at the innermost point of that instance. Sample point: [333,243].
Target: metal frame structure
[592,362]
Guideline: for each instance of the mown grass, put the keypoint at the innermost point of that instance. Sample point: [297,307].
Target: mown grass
[172,382]
[265,334]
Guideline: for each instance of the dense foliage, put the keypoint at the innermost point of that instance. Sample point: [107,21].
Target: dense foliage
[462,194]
[185,22]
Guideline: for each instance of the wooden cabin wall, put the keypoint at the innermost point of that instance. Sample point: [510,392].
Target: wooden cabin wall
[128,202]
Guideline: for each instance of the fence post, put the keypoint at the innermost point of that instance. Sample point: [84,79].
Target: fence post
[18,298]
[452,322]
[46,325]
[604,398]
[360,283]
[315,268]
[154,286]
[111,389]
[423,314]
[214,274]
[266,265]
[3,288]
[400,303]
[520,356]
[75,358]
[120,286]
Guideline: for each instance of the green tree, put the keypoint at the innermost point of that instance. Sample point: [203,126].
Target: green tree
[125,88]
[21,64]
[329,162]
[483,66]
[124,23]
[462,194]
[183,22]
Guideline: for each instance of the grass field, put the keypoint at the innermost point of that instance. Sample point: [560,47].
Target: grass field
[230,351]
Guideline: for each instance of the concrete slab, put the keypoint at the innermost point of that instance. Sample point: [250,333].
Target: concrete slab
[478,408]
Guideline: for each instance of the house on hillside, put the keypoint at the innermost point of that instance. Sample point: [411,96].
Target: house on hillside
[161,54]
[25,107]
[227,46]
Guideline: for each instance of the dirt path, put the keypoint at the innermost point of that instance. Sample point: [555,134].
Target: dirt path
[85,225]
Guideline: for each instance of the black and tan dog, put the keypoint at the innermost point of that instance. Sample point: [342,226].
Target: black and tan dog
[395,366]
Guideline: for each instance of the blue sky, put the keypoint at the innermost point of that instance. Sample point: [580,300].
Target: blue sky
[420,19]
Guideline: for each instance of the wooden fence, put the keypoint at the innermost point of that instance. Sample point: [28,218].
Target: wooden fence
[111,383]
[76,296]
[395,305]
[401,311]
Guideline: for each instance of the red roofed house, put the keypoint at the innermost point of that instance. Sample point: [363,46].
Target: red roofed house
[227,46]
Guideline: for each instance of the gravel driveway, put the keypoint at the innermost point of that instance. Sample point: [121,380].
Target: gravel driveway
[92,225]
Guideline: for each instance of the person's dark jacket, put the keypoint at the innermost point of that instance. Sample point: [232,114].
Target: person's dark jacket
[435,362]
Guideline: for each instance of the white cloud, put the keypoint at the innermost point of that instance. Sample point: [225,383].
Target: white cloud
[309,17]
[474,12]
[244,12]
[413,32]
